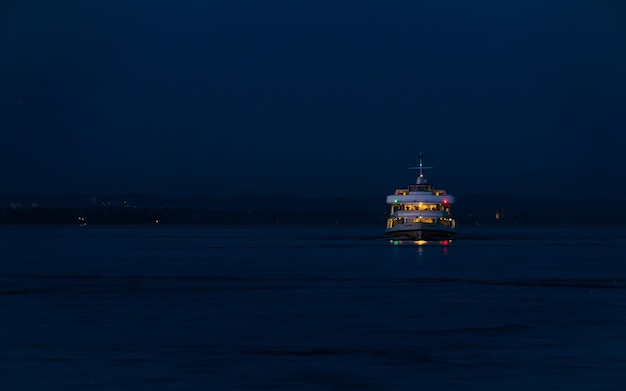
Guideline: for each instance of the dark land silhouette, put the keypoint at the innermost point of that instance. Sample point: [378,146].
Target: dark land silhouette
[145,209]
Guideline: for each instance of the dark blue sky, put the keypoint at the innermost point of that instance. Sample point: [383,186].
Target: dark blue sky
[312,97]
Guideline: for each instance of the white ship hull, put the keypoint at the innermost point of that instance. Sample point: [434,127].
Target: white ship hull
[420,231]
[420,211]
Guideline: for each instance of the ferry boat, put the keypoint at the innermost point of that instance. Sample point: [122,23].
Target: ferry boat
[420,211]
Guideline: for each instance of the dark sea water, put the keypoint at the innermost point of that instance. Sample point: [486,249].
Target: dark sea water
[311,308]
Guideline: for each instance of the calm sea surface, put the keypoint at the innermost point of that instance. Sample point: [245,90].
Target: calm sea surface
[311,308]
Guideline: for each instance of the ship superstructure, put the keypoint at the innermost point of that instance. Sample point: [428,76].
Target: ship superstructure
[421,211]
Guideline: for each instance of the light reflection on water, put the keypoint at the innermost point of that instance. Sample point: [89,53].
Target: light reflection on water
[398,242]
[420,244]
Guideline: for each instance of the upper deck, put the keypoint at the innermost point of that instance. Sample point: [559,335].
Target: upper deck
[420,192]
[420,188]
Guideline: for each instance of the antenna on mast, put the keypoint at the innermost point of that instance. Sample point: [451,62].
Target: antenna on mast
[420,178]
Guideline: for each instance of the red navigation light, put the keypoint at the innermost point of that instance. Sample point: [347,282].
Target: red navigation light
[445,242]
[445,201]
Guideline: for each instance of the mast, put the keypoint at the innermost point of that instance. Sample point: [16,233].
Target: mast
[420,178]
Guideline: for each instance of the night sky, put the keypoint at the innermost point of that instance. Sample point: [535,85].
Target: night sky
[321,98]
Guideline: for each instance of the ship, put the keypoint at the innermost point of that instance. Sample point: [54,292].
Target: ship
[421,211]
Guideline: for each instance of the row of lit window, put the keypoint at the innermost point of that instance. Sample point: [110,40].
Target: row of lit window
[419,207]
[446,222]
[403,192]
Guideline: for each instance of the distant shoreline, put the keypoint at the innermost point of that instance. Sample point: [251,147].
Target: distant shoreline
[200,216]
[137,209]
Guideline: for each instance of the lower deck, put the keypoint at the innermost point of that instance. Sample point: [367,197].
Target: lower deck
[420,230]
[446,222]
